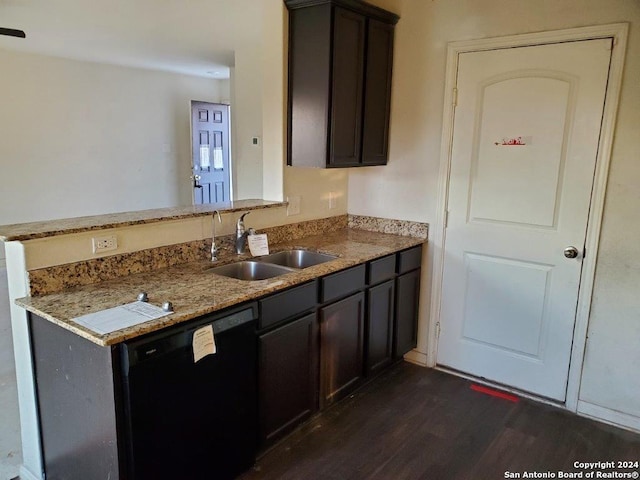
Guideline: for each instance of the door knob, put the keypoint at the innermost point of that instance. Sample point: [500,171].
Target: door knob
[571,252]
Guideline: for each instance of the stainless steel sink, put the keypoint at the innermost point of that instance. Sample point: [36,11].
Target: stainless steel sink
[251,270]
[297,258]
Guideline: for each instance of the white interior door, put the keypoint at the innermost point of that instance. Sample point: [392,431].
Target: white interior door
[525,142]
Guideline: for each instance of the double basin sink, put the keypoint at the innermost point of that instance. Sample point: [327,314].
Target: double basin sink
[272,265]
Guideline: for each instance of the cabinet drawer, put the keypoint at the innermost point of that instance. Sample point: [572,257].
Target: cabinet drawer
[381,269]
[409,259]
[287,304]
[342,283]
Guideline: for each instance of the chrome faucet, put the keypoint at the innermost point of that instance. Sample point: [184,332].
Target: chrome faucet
[214,247]
[241,234]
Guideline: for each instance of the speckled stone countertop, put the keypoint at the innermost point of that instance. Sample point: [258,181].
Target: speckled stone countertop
[51,228]
[195,291]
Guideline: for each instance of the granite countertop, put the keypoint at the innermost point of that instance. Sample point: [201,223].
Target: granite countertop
[195,291]
[51,228]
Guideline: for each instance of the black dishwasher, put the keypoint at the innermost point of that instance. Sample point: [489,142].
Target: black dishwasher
[192,420]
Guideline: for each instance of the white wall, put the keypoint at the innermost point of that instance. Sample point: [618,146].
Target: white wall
[80,138]
[610,377]
[97,140]
[257,100]
[246,118]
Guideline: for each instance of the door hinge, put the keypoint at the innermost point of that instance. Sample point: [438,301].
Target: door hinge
[437,330]
[446,218]
[455,97]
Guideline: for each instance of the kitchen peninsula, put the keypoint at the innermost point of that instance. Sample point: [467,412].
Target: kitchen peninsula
[339,322]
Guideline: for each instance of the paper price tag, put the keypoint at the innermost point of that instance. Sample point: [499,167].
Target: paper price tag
[258,245]
[203,343]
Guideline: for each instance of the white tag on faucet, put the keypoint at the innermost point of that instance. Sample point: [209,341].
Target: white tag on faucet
[258,245]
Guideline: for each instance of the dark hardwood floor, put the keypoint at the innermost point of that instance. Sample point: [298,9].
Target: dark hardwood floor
[415,423]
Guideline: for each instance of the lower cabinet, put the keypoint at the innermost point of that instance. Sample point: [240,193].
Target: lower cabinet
[406,329]
[288,375]
[341,347]
[379,331]
[135,410]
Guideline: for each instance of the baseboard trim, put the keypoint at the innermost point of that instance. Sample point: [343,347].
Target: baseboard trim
[606,415]
[26,474]
[419,358]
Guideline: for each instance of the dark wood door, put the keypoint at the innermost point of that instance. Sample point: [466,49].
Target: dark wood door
[407,301]
[288,376]
[210,152]
[377,93]
[379,331]
[347,88]
[341,352]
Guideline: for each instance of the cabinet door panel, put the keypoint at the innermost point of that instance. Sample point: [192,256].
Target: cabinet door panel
[288,304]
[341,355]
[409,259]
[347,88]
[407,298]
[288,377]
[343,283]
[380,315]
[377,95]
[309,81]
[382,269]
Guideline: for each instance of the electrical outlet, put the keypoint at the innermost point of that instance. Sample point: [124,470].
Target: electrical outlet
[333,200]
[104,244]
[294,205]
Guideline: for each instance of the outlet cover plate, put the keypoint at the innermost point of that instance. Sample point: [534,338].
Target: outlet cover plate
[333,200]
[294,205]
[104,244]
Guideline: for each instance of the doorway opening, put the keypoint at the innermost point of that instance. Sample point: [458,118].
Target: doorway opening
[478,264]
[210,153]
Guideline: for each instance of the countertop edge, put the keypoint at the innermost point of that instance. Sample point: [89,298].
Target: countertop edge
[268,287]
[48,228]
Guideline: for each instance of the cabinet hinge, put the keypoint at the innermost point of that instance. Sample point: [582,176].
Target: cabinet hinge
[455,97]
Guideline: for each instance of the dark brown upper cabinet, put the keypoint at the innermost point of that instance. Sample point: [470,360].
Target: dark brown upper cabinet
[340,65]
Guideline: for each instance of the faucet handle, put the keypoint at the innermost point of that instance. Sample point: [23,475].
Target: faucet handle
[240,224]
[241,219]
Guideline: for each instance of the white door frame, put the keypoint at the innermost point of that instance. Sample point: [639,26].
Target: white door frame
[437,231]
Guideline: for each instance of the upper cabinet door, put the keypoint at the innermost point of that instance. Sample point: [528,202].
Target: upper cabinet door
[309,85]
[347,88]
[377,93]
[340,59]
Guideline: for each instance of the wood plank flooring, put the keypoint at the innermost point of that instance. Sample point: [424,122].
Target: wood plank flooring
[414,423]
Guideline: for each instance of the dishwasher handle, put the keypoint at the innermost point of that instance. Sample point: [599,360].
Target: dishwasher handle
[181,337]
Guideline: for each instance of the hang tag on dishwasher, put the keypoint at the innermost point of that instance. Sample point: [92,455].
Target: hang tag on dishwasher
[203,343]
[258,244]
